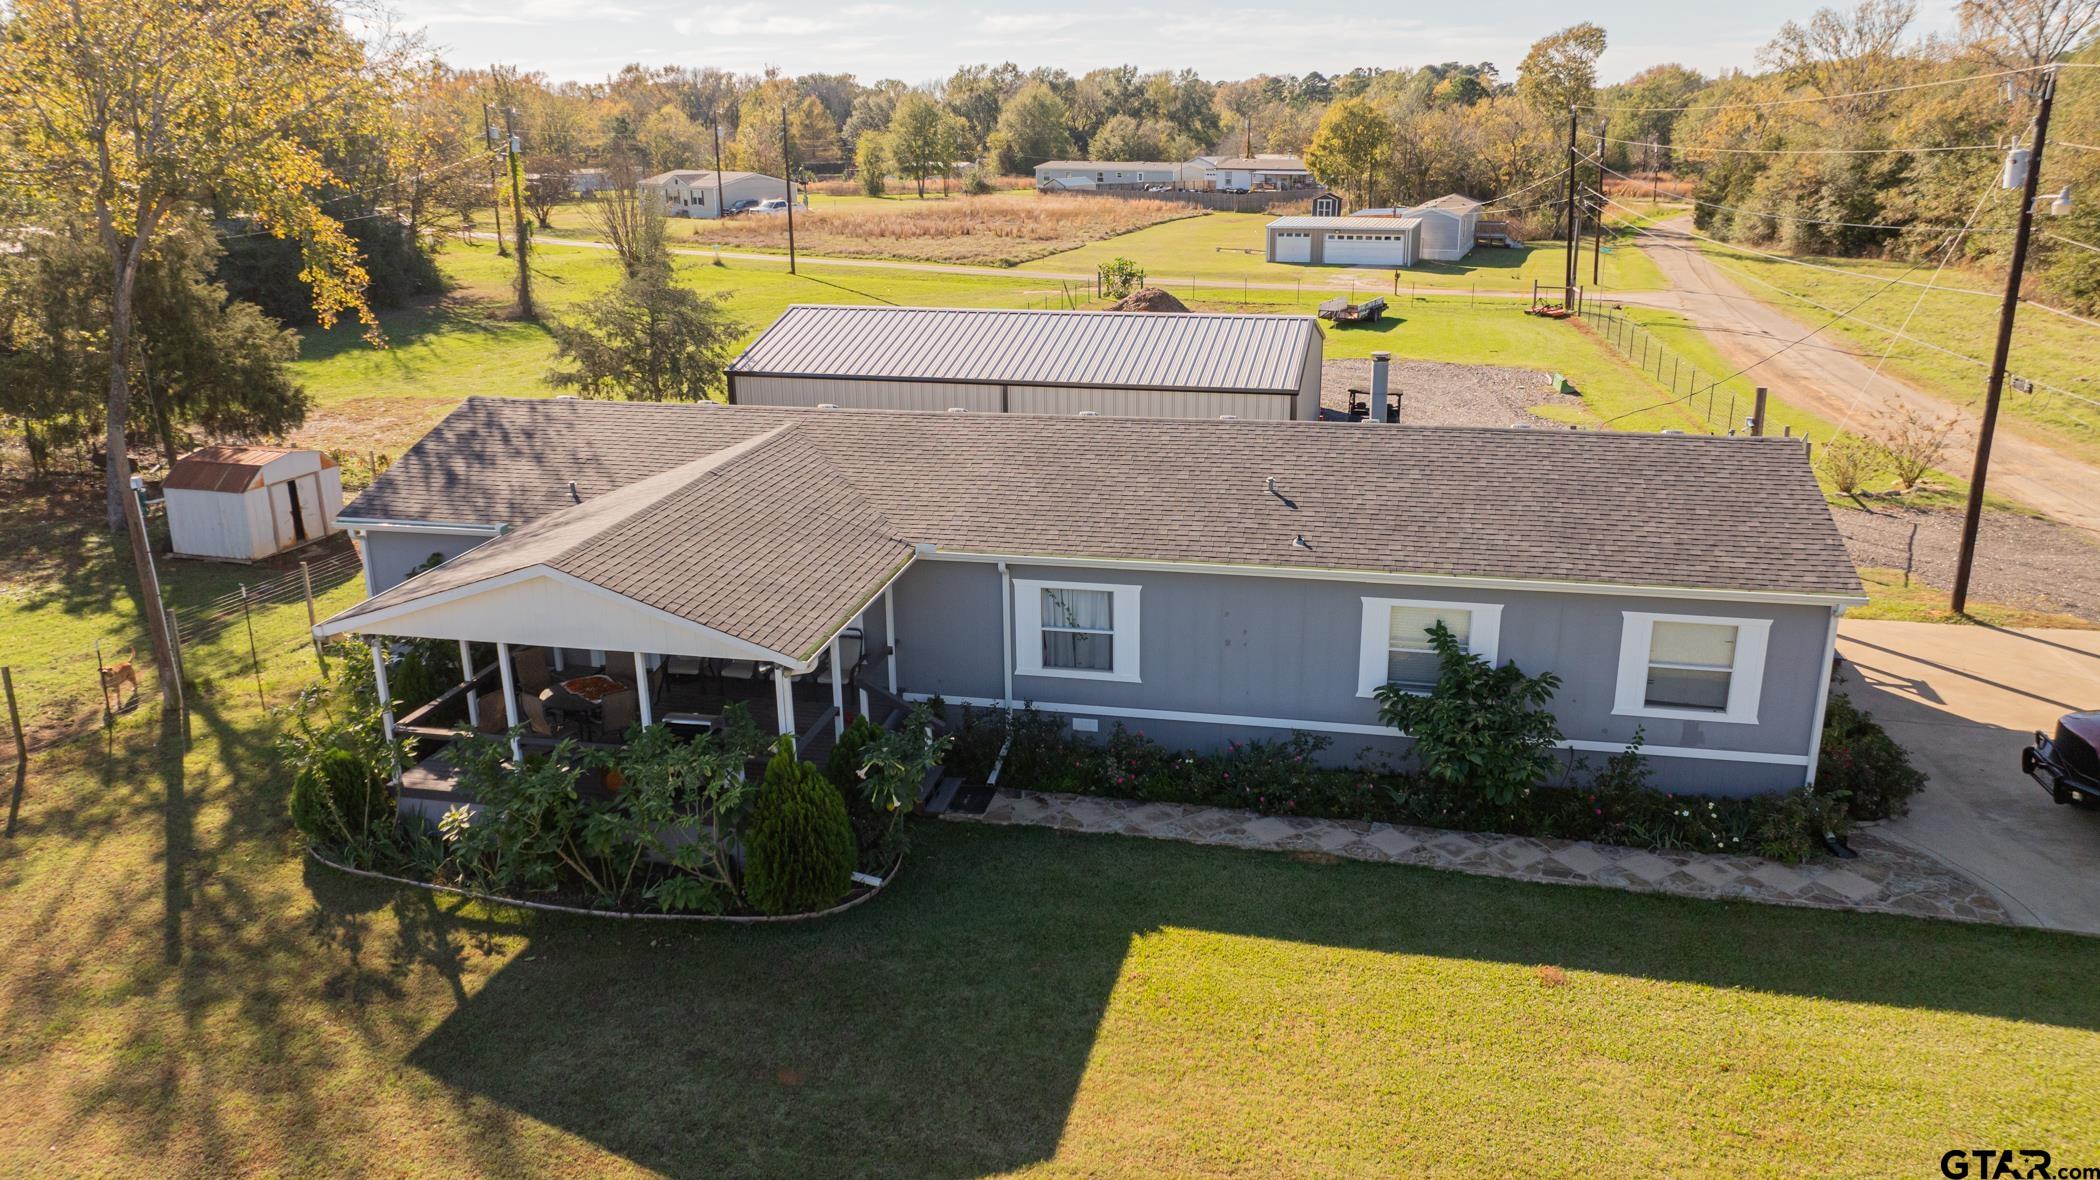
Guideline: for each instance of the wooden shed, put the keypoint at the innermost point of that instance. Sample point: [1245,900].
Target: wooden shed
[242,503]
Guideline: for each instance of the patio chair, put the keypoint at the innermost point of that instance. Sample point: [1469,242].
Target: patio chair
[618,712]
[536,720]
[529,667]
[739,669]
[489,706]
[851,644]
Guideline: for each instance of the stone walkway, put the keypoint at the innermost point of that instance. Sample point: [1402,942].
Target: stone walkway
[1886,877]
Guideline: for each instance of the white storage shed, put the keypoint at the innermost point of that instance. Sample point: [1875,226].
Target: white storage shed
[1136,364]
[240,503]
[1346,241]
[1449,225]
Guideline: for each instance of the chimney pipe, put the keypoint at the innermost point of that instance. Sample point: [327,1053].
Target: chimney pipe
[1380,363]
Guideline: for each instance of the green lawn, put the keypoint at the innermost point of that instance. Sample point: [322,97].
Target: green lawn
[2045,347]
[184,995]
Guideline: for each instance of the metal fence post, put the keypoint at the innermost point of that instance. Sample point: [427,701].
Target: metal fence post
[109,716]
[254,658]
[14,723]
[306,578]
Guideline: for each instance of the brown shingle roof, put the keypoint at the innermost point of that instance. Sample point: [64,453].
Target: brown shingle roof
[225,468]
[1691,512]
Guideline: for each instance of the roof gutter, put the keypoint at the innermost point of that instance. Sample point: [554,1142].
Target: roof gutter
[1468,581]
[458,528]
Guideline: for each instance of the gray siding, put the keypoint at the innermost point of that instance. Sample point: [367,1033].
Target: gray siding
[1287,649]
[391,554]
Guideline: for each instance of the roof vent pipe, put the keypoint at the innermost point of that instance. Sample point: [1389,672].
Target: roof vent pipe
[1381,364]
[575,497]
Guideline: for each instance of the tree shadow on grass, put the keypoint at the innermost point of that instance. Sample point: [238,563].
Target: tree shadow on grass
[944,1029]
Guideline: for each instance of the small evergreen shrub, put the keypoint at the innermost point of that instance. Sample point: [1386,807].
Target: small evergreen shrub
[1860,759]
[799,848]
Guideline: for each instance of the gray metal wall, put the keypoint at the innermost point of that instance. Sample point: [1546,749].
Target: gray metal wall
[1288,649]
[859,394]
[390,555]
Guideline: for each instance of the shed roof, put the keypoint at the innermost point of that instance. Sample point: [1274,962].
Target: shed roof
[1354,221]
[227,468]
[1244,353]
[1455,202]
[1584,507]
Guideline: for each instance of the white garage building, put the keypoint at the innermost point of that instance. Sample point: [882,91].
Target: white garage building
[1123,363]
[1450,225]
[1346,241]
[241,503]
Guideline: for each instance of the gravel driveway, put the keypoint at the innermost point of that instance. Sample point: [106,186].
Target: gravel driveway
[2020,561]
[1437,394]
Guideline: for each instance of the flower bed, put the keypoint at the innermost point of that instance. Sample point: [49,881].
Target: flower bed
[1864,775]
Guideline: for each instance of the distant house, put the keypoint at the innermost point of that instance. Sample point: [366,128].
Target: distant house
[1085,174]
[985,360]
[1258,172]
[692,192]
[585,181]
[240,503]
[1196,172]
[1355,240]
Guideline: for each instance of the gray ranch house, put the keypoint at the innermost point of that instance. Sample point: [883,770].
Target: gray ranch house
[1201,581]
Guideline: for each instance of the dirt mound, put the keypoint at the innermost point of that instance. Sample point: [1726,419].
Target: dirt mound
[1149,299]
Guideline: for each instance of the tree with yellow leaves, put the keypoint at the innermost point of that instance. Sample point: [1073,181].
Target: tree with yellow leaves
[125,112]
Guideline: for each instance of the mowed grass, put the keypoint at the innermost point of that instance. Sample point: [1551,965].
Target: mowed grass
[1229,248]
[184,994]
[1961,320]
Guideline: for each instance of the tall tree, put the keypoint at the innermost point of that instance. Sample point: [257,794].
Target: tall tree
[2021,34]
[649,339]
[1352,144]
[923,139]
[1560,72]
[1031,130]
[130,109]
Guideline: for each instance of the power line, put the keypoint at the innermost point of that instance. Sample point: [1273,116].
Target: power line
[1995,229]
[1919,149]
[1780,102]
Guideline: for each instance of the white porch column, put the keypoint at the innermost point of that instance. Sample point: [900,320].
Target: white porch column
[510,699]
[641,686]
[784,700]
[466,677]
[889,631]
[838,692]
[386,697]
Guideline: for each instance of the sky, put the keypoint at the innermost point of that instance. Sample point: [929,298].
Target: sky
[584,40]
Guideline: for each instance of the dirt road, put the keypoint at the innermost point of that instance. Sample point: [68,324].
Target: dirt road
[1827,375]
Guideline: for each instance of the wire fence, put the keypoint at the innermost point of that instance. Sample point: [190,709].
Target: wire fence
[238,641]
[1705,398]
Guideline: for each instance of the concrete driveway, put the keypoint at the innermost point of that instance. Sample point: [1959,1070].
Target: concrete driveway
[1965,700]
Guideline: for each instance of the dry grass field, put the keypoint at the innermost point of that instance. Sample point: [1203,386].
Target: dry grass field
[985,231]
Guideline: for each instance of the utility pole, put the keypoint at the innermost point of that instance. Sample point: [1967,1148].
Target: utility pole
[488,136]
[721,210]
[787,168]
[1570,229]
[1597,223]
[2029,187]
[517,217]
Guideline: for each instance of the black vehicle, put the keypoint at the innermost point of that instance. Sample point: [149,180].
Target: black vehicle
[2067,765]
[744,206]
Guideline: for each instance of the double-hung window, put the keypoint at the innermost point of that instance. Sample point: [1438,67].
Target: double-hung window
[1691,667]
[1396,649]
[1084,630]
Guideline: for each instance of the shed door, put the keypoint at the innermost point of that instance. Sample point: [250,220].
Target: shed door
[1367,249]
[281,515]
[1293,246]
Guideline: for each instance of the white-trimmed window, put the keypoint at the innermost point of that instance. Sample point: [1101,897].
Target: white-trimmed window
[1084,630]
[1395,648]
[1691,667]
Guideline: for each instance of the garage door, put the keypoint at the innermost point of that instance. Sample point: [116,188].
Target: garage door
[1293,247]
[1366,250]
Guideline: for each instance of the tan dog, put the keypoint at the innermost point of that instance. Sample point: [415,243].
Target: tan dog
[115,677]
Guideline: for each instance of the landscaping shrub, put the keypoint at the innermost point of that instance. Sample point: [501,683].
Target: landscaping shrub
[1484,727]
[337,799]
[1860,763]
[843,769]
[893,766]
[798,846]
